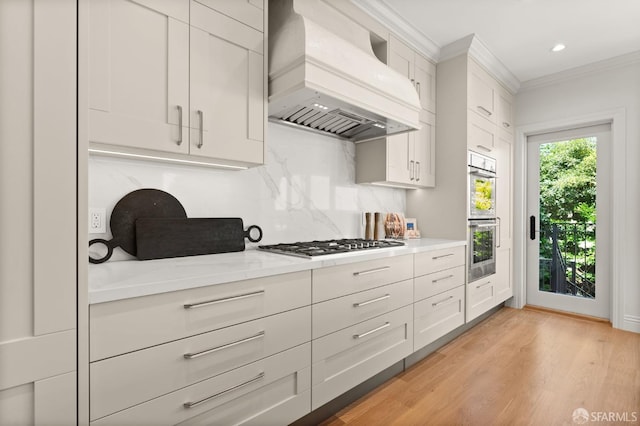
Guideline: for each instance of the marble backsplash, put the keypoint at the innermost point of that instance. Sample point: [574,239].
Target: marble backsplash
[305,191]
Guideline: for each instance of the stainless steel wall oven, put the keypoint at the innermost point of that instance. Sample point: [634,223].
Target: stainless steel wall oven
[483,224]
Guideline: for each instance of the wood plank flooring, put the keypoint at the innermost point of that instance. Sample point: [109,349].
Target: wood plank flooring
[516,367]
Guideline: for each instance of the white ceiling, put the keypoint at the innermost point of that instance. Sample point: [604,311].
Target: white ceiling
[520,33]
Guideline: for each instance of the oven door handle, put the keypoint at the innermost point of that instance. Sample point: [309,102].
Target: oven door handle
[480,172]
[484,225]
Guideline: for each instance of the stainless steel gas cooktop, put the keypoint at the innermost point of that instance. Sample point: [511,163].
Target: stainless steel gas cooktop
[320,248]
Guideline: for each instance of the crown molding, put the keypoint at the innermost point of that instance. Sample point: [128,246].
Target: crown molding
[479,51]
[582,71]
[389,17]
[381,11]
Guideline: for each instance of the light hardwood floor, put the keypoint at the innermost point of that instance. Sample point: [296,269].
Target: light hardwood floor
[516,367]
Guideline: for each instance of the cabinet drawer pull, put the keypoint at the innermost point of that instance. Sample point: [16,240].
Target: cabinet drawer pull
[368,302]
[483,285]
[371,271]
[418,89]
[201,129]
[417,171]
[443,278]
[505,124]
[484,148]
[382,327]
[412,168]
[231,389]
[442,301]
[179,141]
[228,345]
[441,256]
[486,111]
[224,299]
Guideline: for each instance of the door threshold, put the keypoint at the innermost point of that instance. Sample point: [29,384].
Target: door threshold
[565,313]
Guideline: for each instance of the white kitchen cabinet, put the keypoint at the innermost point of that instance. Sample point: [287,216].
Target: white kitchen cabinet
[38,213]
[476,115]
[439,294]
[342,280]
[482,92]
[344,359]
[504,213]
[416,68]
[190,87]
[504,119]
[120,382]
[227,85]
[149,352]
[139,74]
[274,390]
[438,315]
[480,297]
[406,160]
[165,317]
[481,135]
[334,314]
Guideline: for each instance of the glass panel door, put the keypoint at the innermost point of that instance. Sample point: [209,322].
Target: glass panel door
[567,184]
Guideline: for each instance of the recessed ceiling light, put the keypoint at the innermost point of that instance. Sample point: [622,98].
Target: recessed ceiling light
[558,47]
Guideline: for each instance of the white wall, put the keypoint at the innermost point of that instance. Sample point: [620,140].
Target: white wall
[306,190]
[614,86]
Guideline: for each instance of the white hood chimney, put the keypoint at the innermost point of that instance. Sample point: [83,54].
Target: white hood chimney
[324,76]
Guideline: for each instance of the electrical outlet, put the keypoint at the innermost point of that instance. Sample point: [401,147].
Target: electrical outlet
[97,219]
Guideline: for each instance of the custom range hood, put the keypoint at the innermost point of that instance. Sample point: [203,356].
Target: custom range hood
[324,76]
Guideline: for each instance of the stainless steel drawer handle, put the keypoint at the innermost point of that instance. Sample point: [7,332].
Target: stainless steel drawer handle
[179,141]
[231,389]
[201,129]
[368,302]
[484,148]
[382,327]
[225,299]
[483,285]
[371,271]
[443,278]
[442,301]
[441,256]
[505,124]
[412,170]
[228,345]
[486,111]
[418,89]
[417,171]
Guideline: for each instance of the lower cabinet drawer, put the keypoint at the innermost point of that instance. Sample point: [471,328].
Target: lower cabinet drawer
[123,381]
[480,297]
[436,316]
[127,325]
[344,359]
[336,281]
[438,260]
[272,391]
[345,311]
[438,282]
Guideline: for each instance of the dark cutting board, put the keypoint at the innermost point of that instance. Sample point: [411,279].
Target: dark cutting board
[159,238]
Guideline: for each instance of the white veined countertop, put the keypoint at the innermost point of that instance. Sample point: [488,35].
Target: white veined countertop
[111,281]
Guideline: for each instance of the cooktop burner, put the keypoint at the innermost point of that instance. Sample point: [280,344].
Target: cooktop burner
[320,248]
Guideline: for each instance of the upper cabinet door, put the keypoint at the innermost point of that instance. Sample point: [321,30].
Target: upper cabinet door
[425,151]
[481,92]
[400,158]
[505,111]
[227,87]
[139,73]
[401,58]
[425,76]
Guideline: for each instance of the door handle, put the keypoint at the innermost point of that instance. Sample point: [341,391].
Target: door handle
[532,227]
